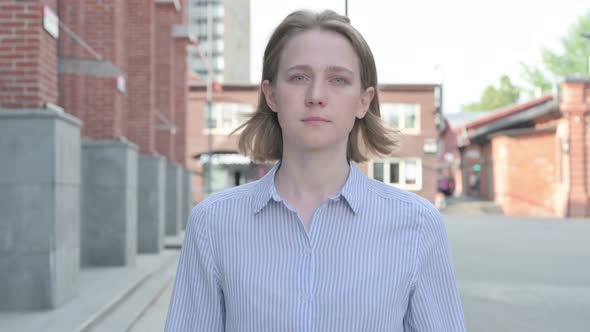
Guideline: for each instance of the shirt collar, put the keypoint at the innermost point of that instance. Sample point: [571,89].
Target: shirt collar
[265,189]
[352,191]
[354,188]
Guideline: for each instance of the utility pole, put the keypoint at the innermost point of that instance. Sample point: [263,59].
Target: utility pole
[346,8]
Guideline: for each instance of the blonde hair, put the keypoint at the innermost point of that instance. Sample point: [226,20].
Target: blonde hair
[261,138]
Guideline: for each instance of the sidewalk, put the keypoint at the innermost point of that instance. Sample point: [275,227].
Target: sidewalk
[471,206]
[110,299]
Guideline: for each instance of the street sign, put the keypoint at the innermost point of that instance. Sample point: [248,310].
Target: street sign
[121,84]
[50,22]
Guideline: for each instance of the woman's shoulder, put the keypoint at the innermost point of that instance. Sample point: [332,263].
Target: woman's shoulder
[394,194]
[227,197]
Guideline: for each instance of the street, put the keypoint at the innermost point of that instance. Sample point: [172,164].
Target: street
[522,274]
[515,274]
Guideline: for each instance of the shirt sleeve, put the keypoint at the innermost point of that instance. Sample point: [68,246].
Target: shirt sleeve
[434,303]
[197,298]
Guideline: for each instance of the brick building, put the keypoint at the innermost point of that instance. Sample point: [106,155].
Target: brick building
[531,158]
[413,109]
[93,134]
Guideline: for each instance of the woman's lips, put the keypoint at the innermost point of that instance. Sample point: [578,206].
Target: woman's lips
[315,120]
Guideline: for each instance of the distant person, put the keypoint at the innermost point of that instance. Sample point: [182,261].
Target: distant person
[474,184]
[446,185]
[315,245]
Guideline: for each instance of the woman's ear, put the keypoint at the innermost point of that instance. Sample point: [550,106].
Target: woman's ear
[269,95]
[365,102]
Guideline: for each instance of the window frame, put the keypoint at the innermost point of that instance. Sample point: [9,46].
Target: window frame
[402,172]
[239,116]
[402,116]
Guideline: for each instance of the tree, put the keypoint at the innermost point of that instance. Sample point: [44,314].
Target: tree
[572,61]
[494,98]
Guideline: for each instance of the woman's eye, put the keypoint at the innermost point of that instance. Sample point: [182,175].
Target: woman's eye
[340,80]
[298,78]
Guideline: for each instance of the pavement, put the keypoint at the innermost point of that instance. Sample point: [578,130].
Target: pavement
[154,318]
[470,206]
[110,298]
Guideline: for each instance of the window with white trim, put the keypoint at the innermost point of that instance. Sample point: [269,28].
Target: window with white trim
[402,173]
[225,117]
[403,117]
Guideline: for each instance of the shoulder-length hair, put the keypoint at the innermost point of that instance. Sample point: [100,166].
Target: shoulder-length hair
[261,138]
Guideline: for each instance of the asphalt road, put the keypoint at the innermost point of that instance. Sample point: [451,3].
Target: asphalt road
[522,274]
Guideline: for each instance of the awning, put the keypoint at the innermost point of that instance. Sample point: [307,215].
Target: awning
[224,159]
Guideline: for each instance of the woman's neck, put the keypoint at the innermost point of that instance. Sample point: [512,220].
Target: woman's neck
[311,177]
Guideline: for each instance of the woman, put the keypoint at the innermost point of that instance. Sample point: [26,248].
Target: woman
[315,245]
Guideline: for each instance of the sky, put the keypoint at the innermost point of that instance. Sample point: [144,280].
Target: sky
[465,44]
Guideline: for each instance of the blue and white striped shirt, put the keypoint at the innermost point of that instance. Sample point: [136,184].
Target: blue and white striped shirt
[376,258]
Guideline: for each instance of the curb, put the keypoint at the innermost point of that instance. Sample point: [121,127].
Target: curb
[115,314]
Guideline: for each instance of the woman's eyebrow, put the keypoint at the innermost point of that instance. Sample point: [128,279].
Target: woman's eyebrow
[328,69]
[299,67]
[339,69]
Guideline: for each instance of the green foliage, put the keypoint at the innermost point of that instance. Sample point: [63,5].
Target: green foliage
[496,97]
[572,61]
[536,79]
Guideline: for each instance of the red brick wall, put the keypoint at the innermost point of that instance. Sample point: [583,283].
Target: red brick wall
[28,55]
[72,87]
[141,51]
[180,87]
[105,31]
[486,173]
[166,17]
[180,94]
[575,105]
[526,173]
[96,100]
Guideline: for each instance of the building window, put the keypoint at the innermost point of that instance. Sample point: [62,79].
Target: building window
[403,117]
[218,46]
[218,63]
[201,22]
[225,117]
[205,3]
[401,173]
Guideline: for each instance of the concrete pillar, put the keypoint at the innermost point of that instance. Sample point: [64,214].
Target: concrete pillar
[173,198]
[575,105]
[109,203]
[39,200]
[151,203]
[187,197]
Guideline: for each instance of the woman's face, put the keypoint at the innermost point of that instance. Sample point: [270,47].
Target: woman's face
[317,93]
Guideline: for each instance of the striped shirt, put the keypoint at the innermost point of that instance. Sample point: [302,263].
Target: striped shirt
[376,258]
